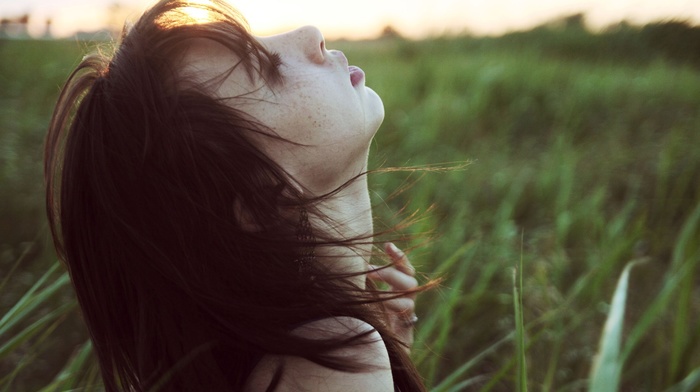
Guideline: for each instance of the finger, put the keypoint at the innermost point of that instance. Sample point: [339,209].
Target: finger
[399,258]
[398,280]
[403,307]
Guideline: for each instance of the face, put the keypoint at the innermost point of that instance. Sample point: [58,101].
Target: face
[322,104]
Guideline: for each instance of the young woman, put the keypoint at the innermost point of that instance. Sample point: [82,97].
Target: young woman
[207,191]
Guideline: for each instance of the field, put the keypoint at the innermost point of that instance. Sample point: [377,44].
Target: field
[584,155]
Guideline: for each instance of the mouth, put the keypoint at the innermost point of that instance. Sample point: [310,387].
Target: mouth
[357,75]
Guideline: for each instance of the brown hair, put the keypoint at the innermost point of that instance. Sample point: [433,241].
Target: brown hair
[147,174]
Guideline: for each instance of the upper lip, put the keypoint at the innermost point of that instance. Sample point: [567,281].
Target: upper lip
[342,56]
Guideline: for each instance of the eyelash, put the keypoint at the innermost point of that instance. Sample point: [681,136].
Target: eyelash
[276,59]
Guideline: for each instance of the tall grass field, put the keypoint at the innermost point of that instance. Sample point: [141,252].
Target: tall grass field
[569,246]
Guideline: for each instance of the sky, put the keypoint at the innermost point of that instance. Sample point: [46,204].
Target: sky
[367,18]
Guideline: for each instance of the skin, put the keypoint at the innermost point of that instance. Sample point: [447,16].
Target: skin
[316,106]
[319,107]
[303,375]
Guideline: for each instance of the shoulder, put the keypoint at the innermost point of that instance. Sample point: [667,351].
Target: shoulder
[303,375]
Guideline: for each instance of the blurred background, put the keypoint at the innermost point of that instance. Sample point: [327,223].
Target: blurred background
[359,18]
[581,120]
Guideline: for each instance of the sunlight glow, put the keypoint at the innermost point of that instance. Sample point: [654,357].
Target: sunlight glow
[360,18]
[197,15]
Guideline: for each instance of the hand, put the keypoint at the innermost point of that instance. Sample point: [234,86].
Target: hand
[399,277]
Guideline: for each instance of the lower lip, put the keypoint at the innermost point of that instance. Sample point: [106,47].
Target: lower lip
[356,75]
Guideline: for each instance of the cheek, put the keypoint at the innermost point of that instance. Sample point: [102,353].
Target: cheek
[333,124]
[324,116]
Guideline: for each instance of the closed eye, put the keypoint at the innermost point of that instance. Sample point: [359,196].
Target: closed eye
[273,73]
[275,59]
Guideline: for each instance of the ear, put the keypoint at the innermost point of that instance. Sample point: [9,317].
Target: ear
[245,219]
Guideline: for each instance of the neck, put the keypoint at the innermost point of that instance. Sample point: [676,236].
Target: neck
[350,216]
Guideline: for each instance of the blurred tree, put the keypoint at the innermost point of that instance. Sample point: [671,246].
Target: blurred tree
[390,32]
[676,40]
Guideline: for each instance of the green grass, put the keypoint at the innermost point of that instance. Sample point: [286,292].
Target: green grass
[582,164]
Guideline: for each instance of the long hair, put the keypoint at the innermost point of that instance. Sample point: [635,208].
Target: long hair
[148,177]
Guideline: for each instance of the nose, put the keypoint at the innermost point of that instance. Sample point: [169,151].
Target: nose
[306,41]
[311,41]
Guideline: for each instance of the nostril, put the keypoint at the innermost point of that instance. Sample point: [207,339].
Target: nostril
[322,52]
[313,43]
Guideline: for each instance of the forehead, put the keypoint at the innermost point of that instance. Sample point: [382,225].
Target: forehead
[220,70]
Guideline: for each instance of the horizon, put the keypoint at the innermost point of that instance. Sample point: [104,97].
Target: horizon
[416,18]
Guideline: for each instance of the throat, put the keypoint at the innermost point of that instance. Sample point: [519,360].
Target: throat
[349,216]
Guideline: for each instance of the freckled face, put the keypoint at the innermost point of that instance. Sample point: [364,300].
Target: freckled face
[322,104]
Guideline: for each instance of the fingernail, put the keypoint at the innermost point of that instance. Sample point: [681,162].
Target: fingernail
[394,248]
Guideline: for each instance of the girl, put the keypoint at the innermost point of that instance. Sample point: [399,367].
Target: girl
[207,191]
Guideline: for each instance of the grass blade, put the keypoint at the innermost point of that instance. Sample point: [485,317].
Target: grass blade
[689,384]
[437,326]
[449,382]
[683,254]
[36,327]
[29,301]
[468,383]
[521,381]
[66,378]
[607,367]
[676,281]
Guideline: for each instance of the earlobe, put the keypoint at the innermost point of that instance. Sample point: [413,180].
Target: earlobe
[245,219]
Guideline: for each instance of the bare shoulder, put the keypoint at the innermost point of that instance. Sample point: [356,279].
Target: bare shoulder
[303,375]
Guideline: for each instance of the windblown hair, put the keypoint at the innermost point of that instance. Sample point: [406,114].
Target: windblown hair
[147,176]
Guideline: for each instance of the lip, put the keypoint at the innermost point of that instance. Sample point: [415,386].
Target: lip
[357,75]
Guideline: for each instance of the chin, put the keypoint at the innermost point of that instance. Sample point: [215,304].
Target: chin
[374,111]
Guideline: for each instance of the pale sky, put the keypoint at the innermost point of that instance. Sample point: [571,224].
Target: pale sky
[366,18]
